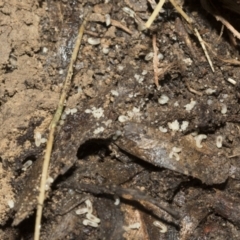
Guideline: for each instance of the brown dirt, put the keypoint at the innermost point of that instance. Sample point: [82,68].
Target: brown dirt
[114,146]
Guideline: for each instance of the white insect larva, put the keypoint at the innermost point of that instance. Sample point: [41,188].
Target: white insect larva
[117,201]
[87,222]
[224,109]
[136,225]
[89,206]
[94,41]
[108,19]
[149,56]
[199,139]
[122,118]
[81,211]
[219,140]
[161,226]
[26,165]
[92,218]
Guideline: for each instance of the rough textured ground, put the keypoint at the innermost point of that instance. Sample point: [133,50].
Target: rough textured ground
[118,137]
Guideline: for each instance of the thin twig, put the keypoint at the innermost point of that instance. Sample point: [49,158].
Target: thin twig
[52,127]
[228,26]
[182,13]
[155,13]
[204,48]
[155,60]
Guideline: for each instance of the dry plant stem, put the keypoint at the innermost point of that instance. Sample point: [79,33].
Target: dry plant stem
[228,26]
[155,60]
[52,130]
[182,13]
[193,90]
[204,48]
[221,33]
[155,13]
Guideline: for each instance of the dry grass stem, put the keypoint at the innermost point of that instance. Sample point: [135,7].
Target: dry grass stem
[53,124]
[155,13]
[182,13]
[190,89]
[204,48]
[155,60]
[228,26]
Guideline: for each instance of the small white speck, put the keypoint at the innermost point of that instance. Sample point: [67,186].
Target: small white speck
[45,50]
[98,130]
[122,118]
[114,93]
[11,203]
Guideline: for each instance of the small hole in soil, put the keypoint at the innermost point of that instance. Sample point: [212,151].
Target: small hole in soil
[93,147]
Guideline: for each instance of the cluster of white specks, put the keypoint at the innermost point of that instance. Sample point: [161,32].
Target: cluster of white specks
[133,226]
[174,126]
[49,182]
[26,165]
[120,67]
[210,91]
[94,41]
[161,226]
[144,72]
[10,203]
[135,113]
[90,220]
[149,56]
[190,105]
[174,153]
[199,138]
[98,130]
[163,99]
[131,95]
[224,108]
[219,141]
[188,61]
[176,104]
[97,112]
[139,78]
[107,123]
[184,125]
[115,93]
[38,139]
[163,129]
[68,111]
